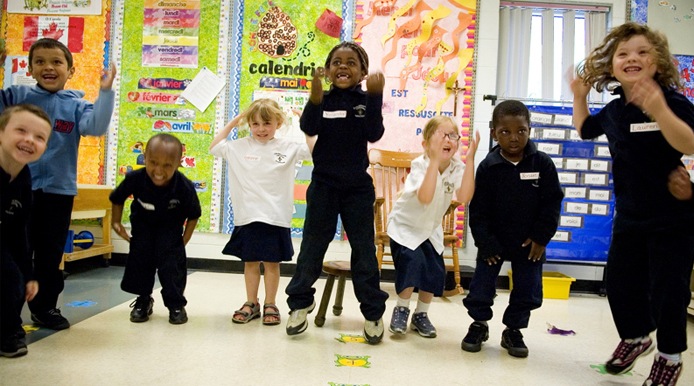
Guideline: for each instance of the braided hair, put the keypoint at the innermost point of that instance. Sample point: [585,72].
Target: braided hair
[363,57]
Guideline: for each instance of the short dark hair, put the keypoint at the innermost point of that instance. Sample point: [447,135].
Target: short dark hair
[7,114]
[166,139]
[51,43]
[509,107]
[363,56]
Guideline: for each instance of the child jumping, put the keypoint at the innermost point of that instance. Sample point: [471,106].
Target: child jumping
[513,215]
[54,176]
[24,133]
[163,215]
[651,255]
[414,223]
[261,185]
[345,118]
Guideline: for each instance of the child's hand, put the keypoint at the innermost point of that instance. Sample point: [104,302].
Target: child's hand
[107,77]
[472,147]
[679,184]
[578,87]
[317,86]
[120,230]
[375,83]
[493,260]
[536,250]
[648,96]
[32,288]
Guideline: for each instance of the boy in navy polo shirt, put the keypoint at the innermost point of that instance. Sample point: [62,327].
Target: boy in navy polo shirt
[163,215]
[513,215]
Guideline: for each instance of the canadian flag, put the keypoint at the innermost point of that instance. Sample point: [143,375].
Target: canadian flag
[67,30]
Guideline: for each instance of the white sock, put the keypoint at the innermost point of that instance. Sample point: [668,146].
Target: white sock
[671,357]
[403,302]
[421,307]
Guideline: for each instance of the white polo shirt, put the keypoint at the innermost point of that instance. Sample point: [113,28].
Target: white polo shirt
[261,178]
[410,222]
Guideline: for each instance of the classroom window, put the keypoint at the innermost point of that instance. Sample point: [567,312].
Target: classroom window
[540,42]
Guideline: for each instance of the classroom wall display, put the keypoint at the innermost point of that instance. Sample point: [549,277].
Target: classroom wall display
[276,47]
[150,87]
[585,174]
[425,49]
[23,22]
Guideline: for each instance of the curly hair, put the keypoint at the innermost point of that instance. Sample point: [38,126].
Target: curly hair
[266,109]
[512,108]
[596,69]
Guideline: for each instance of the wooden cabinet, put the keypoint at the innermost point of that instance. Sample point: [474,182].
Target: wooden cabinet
[92,202]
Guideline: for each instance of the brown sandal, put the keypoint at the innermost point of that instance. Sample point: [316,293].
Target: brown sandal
[245,315]
[271,317]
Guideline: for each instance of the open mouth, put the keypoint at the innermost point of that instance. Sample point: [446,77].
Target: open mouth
[632,69]
[343,77]
[25,149]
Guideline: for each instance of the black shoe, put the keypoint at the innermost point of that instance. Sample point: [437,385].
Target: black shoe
[178,315]
[512,341]
[476,334]
[50,319]
[142,309]
[13,347]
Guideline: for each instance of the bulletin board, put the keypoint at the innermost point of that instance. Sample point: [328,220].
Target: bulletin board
[585,174]
[85,30]
[166,46]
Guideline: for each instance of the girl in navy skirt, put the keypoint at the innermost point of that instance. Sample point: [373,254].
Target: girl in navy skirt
[414,224]
[261,182]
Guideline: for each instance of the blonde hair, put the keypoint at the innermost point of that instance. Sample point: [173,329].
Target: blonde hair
[596,69]
[433,125]
[266,109]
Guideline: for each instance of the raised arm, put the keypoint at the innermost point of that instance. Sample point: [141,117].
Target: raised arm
[580,103]
[222,134]
[467,187]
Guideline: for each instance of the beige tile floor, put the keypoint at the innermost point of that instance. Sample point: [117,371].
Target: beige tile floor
[107,349]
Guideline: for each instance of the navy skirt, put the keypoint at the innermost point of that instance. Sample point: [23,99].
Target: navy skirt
[422,268]
[259,241]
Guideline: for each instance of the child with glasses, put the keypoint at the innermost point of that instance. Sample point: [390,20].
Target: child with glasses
[513,215]
[414,223]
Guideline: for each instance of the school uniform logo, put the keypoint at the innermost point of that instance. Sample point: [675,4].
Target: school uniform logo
[280,158]
[174,203]
[359,111]
[15,206]
[448,187]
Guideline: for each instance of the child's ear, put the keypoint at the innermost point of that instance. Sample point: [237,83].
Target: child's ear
[71,72]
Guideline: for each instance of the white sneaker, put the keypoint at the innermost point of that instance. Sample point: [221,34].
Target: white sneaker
[297,320]
[373,331]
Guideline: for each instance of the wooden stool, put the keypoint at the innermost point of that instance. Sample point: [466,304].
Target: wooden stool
[341,270]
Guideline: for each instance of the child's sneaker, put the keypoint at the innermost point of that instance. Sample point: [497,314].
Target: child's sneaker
[142,309]
[13,347]
[512,341]
[297,320]
[422,324]
[626,354]
[178,315]
[476,334]
[373,331]
[398,323]
[52,319]
[663,372]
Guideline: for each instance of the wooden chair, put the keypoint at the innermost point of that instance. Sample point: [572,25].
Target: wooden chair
[389,170]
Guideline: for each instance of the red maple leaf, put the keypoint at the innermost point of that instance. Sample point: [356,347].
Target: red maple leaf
[23,64]
[53,32]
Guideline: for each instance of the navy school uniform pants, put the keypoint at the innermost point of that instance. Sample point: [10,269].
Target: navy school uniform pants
[157,251]
[525,296]
[647,282]
[355,207]
[50,222]
[12,289]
